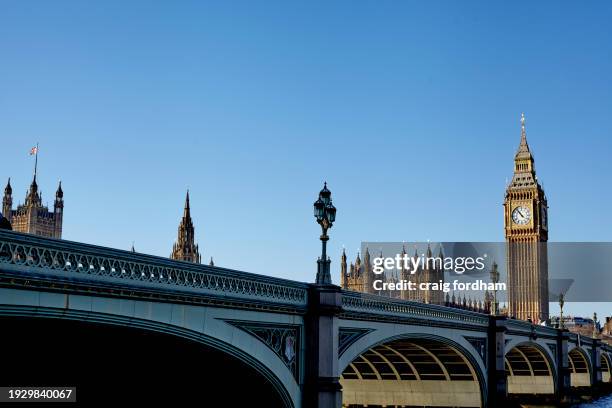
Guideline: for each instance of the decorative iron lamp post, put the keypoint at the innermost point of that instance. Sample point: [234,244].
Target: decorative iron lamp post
[561,303]
[325,213]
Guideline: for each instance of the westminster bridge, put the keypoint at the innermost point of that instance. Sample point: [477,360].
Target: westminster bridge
[313,345]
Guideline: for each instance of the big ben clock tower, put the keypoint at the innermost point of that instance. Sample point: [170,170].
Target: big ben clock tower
[526,233]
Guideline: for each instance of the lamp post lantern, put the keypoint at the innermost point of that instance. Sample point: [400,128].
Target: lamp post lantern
[325,213]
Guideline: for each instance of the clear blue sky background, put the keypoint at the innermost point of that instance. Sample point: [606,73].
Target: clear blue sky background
[410,111]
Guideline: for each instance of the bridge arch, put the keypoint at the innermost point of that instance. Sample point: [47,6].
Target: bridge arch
[530,369]
[113,320]
[414,370]
[580,367]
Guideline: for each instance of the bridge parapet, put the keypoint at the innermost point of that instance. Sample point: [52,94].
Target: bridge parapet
[26,259]
[579,339]
[529,329]
[378,307]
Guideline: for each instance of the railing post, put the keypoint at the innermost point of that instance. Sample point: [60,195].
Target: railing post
[322,387]
[497,383]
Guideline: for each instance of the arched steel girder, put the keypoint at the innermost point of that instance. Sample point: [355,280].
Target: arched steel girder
[527,360]
[605,364]
[578,361]
[386,360]
[411,359]
[530,370]
[403,357]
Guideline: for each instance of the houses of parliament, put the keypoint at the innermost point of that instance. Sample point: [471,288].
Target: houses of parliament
[525,232]
[360,277]
[32,217]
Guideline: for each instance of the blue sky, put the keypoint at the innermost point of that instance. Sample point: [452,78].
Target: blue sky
[410,111]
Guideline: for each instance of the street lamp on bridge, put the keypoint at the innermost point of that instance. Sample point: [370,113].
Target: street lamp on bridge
[561,303]
[325,213]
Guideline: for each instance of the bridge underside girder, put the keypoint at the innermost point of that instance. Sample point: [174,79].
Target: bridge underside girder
[528,371]
[579,369]
[415,372]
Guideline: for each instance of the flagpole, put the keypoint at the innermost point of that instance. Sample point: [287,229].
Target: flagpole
[35,160]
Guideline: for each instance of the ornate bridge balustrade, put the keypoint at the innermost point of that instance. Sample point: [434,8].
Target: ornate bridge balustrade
[364,306]
[49,263]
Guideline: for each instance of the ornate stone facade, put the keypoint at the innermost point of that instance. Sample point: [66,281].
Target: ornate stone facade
[526,233]
[33,217]
[360,278]
[185,248]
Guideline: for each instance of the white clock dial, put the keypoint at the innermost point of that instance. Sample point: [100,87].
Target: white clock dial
[521,215]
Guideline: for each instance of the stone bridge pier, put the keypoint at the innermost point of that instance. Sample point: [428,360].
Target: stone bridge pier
[322,379]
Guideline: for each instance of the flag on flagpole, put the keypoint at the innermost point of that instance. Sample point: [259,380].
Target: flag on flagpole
[34,152]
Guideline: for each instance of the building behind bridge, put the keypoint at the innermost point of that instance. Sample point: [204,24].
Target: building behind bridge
[359,277]
[185,248]
[526,234]
[32,216]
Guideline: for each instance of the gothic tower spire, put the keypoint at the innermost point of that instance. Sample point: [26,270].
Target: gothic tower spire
[187,211]
[185,248]
[7,200]
[58,209]
[523,160]
[33,198]
[8,190]
[368,277]
[523,133]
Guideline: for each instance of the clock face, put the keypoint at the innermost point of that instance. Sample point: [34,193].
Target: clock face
[521,215]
